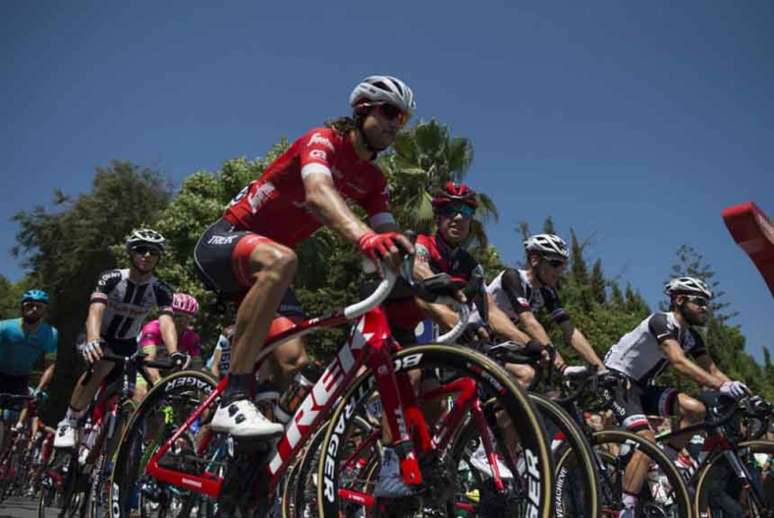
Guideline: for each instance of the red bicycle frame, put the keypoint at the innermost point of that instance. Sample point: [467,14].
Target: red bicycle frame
[369,343]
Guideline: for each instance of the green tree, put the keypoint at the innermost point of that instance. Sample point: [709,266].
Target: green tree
[423,158]
[66,248]
[598,283]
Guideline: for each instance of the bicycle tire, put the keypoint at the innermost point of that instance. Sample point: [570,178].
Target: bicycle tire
[488,375]
[633,442]
[101,473]
[575,448]
[124,483]
[701,501]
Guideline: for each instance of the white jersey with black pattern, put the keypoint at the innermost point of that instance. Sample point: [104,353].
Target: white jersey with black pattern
[128,303]
[638,353]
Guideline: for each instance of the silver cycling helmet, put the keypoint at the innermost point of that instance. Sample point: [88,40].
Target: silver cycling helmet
[547,244]
[687,286]
[145,236]
[383,89]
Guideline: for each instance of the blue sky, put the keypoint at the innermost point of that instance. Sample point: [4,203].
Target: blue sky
[632,122]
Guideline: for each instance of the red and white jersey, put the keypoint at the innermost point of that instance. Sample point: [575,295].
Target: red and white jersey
[274,204]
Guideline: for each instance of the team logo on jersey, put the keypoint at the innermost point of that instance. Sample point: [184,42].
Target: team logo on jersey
[221,240]
[319,139]
[524,302]
[261,195]
[318,154]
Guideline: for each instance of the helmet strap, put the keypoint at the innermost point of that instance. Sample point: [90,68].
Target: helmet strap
[359,117]
[31,321]
[136,268]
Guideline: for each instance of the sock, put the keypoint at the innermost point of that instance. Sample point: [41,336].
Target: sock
[240,386]
[72,416]
[629,500]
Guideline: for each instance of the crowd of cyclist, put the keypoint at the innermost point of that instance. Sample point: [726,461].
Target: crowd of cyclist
[248,255]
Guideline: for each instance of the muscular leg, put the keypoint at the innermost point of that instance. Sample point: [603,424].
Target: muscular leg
[272,267]
[691,412]
[83,392]
[289,357]
[524,374]
[637,469]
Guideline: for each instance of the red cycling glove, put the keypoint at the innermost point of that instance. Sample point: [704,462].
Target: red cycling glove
[376,246]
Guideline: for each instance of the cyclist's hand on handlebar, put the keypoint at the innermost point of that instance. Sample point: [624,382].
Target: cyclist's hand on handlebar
[180,360]
[735,389]
[384,247]
[91,351]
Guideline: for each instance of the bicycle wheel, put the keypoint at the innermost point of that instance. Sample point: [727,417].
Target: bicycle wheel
[99,480]
[576,485]
[511,422]
[63,491]
[164,409]
[663,492]
[720,493]
[300,493]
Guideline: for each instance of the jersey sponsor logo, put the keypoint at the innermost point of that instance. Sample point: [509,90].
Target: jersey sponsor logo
[319,154]
[523,302]
[320,139]
[221,240]
[261,195]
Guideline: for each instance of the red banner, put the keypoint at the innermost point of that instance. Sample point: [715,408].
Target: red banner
[754,232]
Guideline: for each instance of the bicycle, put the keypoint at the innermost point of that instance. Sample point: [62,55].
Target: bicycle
[729,481]
[82,474]
[255,472]
[12,467]
[33,451]
[664,492]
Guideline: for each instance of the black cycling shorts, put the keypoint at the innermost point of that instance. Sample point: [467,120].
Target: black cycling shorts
[214,260]
[18,385]
[632,403]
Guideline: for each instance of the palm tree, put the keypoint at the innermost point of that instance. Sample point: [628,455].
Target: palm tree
[424,158]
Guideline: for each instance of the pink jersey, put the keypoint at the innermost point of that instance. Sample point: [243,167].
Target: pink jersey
[187,343]
[273,205]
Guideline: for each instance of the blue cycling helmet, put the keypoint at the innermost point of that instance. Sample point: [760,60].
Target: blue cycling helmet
[35,295]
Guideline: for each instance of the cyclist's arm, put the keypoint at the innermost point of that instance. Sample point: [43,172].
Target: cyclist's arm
[168,332]
[94,320]
[215,369]
[45,379]
[578,341]
[325,202]
[439,313]
[687,367]
[502,325]
[706,362]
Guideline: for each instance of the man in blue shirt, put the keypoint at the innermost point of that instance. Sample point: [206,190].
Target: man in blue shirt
[22,341]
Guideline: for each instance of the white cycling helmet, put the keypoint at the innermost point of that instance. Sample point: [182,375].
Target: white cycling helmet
[687,286]
[383,89]
[145,236]
[547,244]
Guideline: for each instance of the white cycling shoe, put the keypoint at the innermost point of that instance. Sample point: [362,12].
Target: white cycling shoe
[479,461]
[242,419]
[65,435]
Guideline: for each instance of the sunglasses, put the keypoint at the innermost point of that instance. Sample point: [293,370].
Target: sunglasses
[698,300]
[142,250]
[555,263]
[392,113]
[33,305]
[458,208]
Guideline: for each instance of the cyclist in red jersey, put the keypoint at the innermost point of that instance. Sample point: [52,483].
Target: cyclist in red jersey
[442,252]
[248,253]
